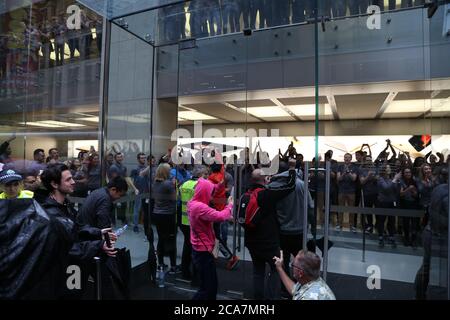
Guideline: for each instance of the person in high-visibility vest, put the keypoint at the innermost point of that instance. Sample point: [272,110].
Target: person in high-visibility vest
[12,186]
[187,190]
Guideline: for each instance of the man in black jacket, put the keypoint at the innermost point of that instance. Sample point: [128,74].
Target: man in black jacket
[80,243]
[98,207]
[263,240]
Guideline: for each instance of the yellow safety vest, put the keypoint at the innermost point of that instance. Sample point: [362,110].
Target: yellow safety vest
[24,194]
[187,191]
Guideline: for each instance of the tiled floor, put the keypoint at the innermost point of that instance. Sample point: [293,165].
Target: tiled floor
[345,257]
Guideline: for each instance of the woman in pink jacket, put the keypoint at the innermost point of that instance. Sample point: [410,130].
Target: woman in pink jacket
[201,218]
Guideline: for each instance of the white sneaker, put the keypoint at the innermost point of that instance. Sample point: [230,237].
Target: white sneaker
[338,228]
[353,229]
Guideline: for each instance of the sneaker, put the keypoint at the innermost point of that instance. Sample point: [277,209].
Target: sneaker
[338,228]
[232,263]
[353,229]
[136,229]
[369,230]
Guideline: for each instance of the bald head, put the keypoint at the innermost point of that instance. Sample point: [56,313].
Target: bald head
[310,263]
[258,177]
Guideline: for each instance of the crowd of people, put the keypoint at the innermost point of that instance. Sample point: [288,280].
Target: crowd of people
[391,180]
[31,45]
[216,17]
[198,198]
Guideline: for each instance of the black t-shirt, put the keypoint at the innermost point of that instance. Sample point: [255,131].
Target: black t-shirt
[346,184]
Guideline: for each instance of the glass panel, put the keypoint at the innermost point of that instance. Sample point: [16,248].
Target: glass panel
[374,123]
[111,9]
[206,18]
[49,93]
[432,277]
[128,136]
[210,125]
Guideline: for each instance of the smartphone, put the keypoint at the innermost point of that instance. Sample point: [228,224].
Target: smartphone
[420,142]
[107,239]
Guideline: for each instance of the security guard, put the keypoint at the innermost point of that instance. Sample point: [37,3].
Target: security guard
[12,186]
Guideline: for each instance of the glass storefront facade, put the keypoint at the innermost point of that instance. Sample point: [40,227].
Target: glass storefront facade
[50,78]
[350,89]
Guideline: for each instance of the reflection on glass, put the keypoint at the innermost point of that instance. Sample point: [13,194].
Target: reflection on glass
[208,18]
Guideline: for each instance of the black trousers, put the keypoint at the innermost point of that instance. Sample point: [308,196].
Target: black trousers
[370,201]
[265,286]
[166,228]
[151,256]
[291,244]
[381,220]
[206,266]
[411,226]
[186,256]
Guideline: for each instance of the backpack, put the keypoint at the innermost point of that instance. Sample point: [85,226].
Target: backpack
[249,213]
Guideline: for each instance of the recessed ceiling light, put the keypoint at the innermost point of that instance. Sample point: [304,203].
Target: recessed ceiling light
[418,105]
[51,124]
[194,115]
[61,123]
[135,118]
[89,119]
[267,112]
[306,110]
[40,124]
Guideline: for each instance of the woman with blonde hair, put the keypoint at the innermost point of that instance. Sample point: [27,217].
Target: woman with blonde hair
[164,215]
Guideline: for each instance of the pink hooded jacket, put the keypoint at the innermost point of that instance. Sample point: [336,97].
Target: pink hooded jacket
[202,216]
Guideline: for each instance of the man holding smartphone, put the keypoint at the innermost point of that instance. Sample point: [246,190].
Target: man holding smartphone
[79,244]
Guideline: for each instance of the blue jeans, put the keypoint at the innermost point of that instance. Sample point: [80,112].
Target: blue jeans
[137,209]
[231,15]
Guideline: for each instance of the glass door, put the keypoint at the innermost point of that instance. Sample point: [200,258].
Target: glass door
[212,141]
[432,278]
[376,138]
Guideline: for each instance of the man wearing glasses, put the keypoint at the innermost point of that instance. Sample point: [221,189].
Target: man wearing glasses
[306,270]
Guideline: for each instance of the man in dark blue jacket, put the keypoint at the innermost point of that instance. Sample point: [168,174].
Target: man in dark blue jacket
[97,209]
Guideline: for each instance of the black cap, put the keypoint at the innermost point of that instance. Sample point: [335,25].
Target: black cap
[9,175]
